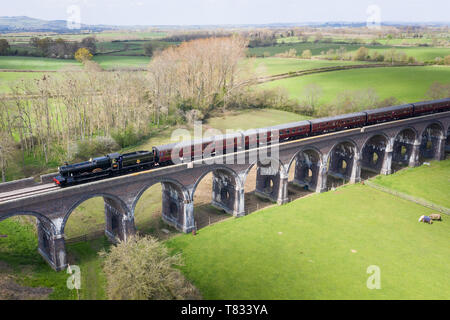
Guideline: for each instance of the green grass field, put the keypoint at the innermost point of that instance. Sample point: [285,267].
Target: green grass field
[19,252]
[408,84]
[420,53]
[317,49]
[272,66]
[121,62]
[7,79]
[33,63]
[431,183]
[303,250]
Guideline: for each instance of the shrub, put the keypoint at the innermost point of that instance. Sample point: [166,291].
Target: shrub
[361,54]
[95,147]
[447,60]
[83,54]
[306,54]
[142,269]
[126,138]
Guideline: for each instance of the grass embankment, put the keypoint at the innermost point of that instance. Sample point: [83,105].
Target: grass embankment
[320,247]
[408,84]
[431,183]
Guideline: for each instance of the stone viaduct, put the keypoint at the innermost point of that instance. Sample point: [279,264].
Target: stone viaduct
[340,155]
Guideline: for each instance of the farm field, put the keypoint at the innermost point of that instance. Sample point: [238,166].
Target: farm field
[34,63]
[124,62]
[9,78]
[420,53]
[320,247]
[430,183]
[272,66]
[368,40]
[408,84]
[316,48]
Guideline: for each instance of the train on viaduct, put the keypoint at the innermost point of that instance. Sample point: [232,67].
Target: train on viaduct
[342,154]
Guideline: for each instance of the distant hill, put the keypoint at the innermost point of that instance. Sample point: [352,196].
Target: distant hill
[27,24]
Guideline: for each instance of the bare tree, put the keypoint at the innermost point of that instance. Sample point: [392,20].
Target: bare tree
[6,152]
[312,94]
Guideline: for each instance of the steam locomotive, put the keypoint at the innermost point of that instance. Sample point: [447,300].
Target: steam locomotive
[118,164]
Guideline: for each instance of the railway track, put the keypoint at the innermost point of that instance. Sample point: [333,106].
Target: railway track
[26,192]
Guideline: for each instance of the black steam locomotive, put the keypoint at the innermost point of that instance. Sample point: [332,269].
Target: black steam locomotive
[98,168]
[117,164]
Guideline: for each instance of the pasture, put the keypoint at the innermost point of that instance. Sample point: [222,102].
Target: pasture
[429,182]
[7,79]
[319,49]
[320,247]
[36,64]
[408,84]
[122,62]
[272,66]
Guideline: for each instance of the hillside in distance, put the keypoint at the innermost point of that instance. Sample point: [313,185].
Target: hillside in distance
[27,24]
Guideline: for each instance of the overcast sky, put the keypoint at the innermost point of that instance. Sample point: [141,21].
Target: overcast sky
[190,12]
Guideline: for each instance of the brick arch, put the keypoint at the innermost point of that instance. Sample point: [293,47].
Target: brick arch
[37,215]
[106,196]
[402,129]
[435,122]
[342,141]
[302,150]
[335,160]
[377,140]
[173,182]
[226,169]
[281,169]
[431,146]
[381,134]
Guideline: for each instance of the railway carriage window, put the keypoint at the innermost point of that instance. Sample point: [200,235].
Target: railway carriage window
[287,131]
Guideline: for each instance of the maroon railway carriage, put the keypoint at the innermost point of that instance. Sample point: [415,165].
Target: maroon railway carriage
[426,107]
[345,121]
[389,113]
[293,130]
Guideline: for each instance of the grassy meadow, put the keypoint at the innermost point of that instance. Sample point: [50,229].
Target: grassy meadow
[408,84]
[318,49]
[428,182]
[320,247]
[36,64]
[122,62]
[272,66]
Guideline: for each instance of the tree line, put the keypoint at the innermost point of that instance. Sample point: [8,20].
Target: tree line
[59,116]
